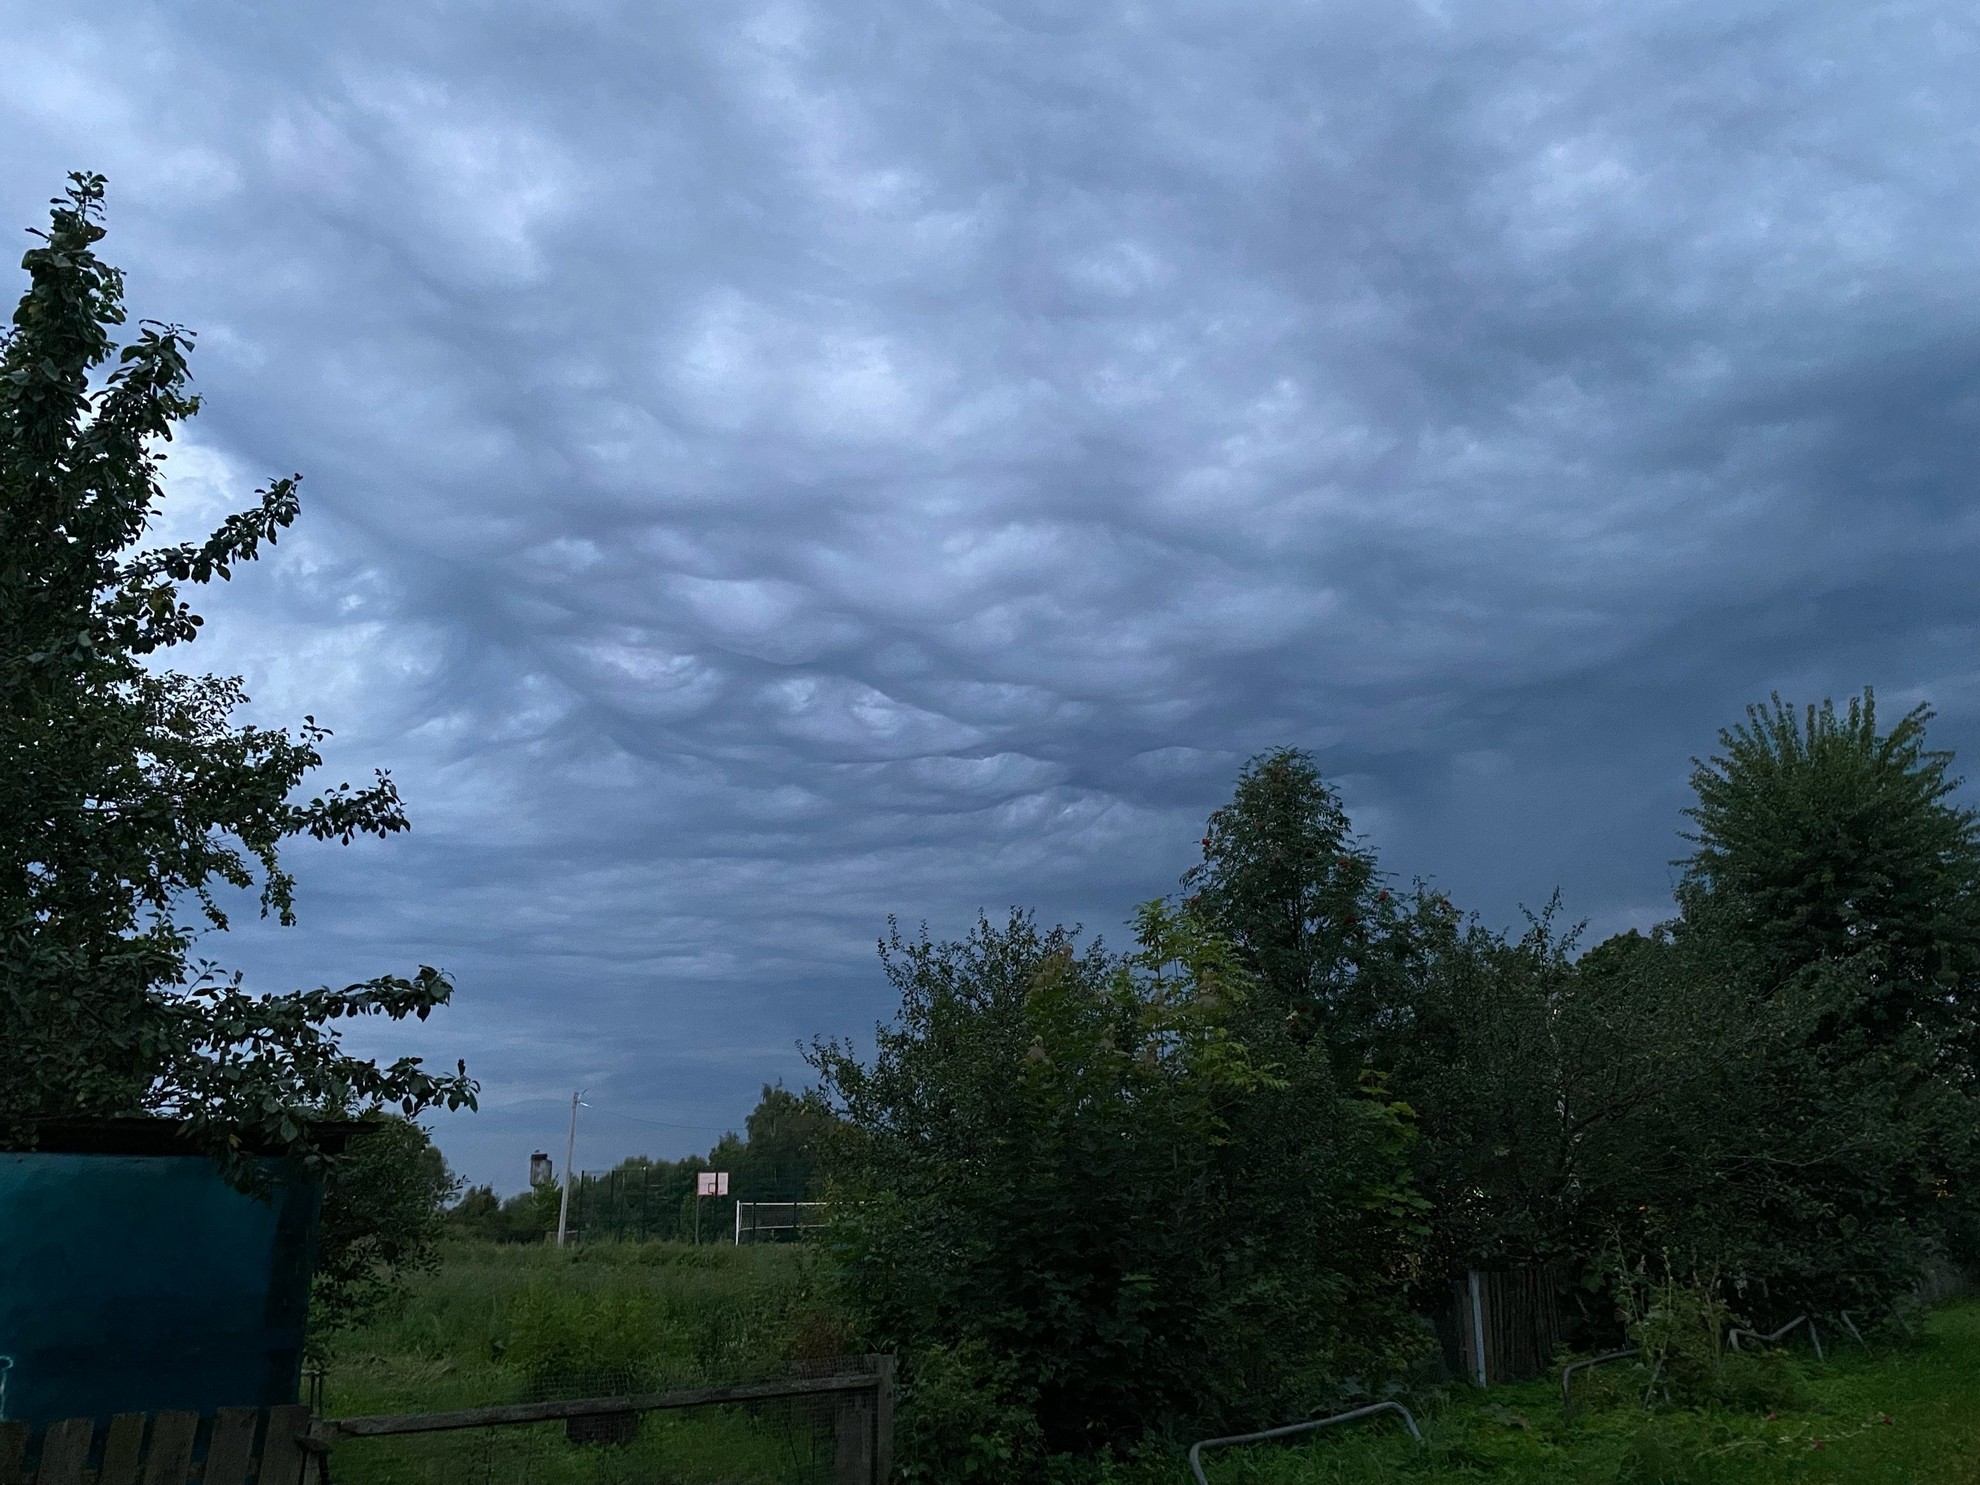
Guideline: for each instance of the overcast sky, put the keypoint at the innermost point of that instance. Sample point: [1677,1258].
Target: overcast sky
[769,466]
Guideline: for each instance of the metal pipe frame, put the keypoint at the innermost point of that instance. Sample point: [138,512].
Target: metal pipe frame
[1196,1450]
[1567,1405]
[1733,1335]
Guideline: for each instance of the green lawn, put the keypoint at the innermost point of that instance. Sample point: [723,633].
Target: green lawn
[1907,1415]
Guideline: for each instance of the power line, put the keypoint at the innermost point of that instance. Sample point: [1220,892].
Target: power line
[635,1118]
[664,1123]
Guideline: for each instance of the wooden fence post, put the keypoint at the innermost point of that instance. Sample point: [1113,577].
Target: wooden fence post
[883,1420]
[852,1439]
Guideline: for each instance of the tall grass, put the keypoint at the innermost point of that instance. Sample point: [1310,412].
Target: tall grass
[506,1323]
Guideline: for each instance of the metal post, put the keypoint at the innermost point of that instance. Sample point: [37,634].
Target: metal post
[570,1154]
[1477,1332]
[739,1223]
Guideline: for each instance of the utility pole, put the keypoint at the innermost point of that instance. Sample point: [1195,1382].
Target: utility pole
[570,1154]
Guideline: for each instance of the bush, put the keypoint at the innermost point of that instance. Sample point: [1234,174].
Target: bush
[381,1223]
[965,1416]
[1152,1205]
[583,1341]
[1682,1327]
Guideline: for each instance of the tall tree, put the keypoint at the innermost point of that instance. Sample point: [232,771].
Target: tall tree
[1821,839]
[1830,916]
[1284,878]
[130,800]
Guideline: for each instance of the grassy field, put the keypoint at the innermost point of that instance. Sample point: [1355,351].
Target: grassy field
[501,1324]
[510,1324]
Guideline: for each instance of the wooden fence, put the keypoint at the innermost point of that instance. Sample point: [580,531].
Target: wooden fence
[1505,1326]
[285,1445]
[235,1447]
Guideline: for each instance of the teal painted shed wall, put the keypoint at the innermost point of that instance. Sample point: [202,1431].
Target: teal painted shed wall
[141,1283]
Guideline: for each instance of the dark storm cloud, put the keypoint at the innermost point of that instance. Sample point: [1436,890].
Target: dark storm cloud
[771,466]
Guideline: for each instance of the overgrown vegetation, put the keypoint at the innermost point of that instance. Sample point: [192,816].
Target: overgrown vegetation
[1097,1200]
[1105,1196]
[1880,1416]
[483,1327]
[498,1323]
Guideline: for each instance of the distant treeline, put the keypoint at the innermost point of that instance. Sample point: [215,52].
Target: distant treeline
[777,1158]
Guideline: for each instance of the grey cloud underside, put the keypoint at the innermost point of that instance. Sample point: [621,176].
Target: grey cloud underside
[772,466]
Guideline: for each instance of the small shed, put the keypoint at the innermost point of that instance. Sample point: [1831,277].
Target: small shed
[135,1279]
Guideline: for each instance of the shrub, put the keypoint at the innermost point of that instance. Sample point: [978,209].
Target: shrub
[581,1341]
[966,1416]
[1153,1205]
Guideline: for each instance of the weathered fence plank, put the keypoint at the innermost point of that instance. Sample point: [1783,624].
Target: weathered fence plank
[169,1459]
[282,1456]
[883,1420]
[123,1446]
[230,1448]
[65,1452]
[852,1440]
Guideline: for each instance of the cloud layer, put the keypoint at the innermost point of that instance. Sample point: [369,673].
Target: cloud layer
[770,466]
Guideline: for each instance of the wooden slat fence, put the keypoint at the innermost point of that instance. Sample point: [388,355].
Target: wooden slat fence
[237,1446]
[1519,1316]
[284,1445]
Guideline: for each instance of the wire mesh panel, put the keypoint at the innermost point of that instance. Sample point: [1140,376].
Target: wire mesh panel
[833,1428]
[781,1441]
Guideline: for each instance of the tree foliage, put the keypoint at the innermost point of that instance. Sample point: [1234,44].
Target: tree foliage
[776,1158]
[383,1205]
[1118,1183]
[131,803]
[1284,878]
[1776,1087]
[1821,840]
